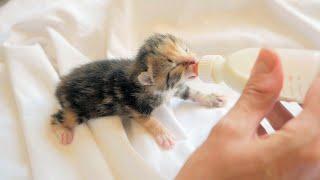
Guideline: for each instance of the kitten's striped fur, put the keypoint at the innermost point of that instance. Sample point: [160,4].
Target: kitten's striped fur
[131,89]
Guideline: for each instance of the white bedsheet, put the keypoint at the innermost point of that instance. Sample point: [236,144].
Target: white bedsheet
[45,39]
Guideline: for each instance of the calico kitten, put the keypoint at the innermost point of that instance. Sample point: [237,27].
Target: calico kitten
[131,89]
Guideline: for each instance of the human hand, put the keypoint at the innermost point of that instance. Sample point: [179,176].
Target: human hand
[239,148]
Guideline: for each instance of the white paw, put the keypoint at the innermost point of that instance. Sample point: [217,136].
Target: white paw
[212,100]
[64,135]
[165,140]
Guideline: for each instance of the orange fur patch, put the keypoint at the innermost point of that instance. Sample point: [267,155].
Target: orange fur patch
[153,126]
[70,119]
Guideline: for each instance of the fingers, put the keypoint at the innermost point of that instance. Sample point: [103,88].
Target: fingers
[312,100]
[309,119]
[260,93]
[303,129]
[279,116]
[261,131]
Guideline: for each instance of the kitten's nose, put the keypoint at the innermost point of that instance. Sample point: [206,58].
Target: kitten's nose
[191,68]
[195,68]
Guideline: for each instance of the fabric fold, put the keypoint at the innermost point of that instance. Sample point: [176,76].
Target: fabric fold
[33,82]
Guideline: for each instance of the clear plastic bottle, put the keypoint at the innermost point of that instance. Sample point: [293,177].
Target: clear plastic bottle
[300,67]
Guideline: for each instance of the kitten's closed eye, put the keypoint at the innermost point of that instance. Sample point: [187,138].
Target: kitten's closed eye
[169,60]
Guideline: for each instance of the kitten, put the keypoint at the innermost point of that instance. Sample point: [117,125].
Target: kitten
[131,89]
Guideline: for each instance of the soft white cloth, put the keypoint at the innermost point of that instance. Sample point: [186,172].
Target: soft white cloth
[45,39]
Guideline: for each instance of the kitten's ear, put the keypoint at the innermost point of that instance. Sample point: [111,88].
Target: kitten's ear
[145,79]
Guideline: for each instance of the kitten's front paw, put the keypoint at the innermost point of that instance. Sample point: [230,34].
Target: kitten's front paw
[212,100]
[165,140]
[64,135]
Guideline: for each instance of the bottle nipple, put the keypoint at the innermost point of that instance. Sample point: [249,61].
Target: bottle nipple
[210,67]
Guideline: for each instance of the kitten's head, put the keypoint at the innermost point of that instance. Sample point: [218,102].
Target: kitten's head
[165,62]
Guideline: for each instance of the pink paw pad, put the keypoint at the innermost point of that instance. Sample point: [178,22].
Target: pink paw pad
[212,100]
[65,136]
[166,141]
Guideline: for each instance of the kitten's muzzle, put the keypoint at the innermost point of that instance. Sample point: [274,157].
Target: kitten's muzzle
[191,66]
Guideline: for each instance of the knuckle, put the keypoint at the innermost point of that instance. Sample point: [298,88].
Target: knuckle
[262,87]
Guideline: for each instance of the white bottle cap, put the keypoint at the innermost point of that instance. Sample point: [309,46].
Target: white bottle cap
[209,68]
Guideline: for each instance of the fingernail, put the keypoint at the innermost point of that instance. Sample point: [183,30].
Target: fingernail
[267,60]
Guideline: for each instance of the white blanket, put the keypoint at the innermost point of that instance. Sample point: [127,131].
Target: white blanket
[43,39]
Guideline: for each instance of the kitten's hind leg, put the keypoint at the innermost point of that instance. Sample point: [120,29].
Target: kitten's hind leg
[63,123]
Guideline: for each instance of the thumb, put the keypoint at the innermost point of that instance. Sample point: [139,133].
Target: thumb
[261,91]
